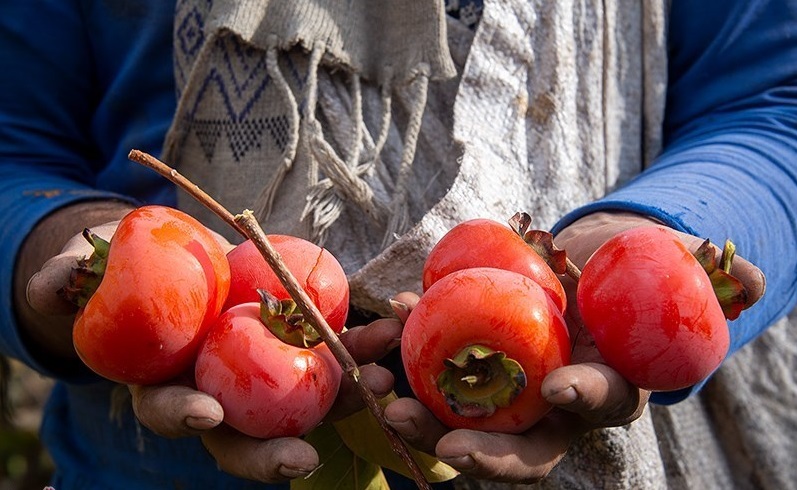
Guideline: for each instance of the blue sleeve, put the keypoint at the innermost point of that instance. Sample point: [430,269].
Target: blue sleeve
[729,164]
[69,115]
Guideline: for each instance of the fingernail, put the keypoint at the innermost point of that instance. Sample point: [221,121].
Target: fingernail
[564,397]
[406,426]
[394,343]
[201,423]
[464,462]
[398,307]
[289,472]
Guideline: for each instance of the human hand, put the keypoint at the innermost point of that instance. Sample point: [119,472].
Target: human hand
[179,410]
[44,314]
[585,395]
[42,290]
[44,263]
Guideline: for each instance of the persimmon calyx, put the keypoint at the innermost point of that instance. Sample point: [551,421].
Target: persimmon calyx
[478,380]
[542,242]
[86,277]
[285,320]
[729,290]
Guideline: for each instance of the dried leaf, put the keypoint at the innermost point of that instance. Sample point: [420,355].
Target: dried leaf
[520,222]
[362,433]
[542,243]
[706,256]
[340,467]
[730,293]
[729,290]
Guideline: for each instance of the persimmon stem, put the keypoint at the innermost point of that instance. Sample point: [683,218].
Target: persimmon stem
[184,183]
[572,270]
[246,224]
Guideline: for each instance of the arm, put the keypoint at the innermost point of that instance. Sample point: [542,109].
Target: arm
[44,119]
[70,110]
[729,170]
[729,167]
[47,331]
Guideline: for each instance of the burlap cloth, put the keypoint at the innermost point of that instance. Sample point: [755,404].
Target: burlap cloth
[373,127]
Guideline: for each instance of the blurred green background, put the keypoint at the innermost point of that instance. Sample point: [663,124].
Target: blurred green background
[24,464]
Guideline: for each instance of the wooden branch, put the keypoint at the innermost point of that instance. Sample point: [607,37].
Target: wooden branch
[246,224]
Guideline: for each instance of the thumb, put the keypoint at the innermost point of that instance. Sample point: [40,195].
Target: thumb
[595,392]
[42,289]
[751,277]
[43,286]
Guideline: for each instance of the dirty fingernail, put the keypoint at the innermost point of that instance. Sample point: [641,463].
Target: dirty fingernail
[564,397]
[201,423]
[289,472]
[398,307]
[464,462]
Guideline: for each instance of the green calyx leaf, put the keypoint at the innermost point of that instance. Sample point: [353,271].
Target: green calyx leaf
[730,291]
[478,380]
[285,320]
[87,276]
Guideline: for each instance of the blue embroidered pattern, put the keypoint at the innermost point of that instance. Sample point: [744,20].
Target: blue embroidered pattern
[189,37]
[239,77]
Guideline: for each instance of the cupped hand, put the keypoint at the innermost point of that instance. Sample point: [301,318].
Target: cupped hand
[585,395]
[179,410]
[43,286]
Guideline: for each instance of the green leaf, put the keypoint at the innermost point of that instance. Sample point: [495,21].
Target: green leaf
[363,435]
[340,468]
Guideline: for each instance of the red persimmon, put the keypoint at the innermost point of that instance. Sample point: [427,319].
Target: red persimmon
[318,272]
[164,282]
[486,243]
[651,308]
[267,388]
[478,345]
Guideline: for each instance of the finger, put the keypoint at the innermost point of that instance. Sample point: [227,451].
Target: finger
[349,400]
[369,343]
[748,274]
[175,411]
[415,423]
[751,278]
[524,458]
[42,290]
[403,303]
[595,392]
[265,460]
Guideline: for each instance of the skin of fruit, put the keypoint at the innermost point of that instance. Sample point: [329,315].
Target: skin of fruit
[500,309]
[652,311]
[486,243]
[165,282]
[317,270]
[266,387]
